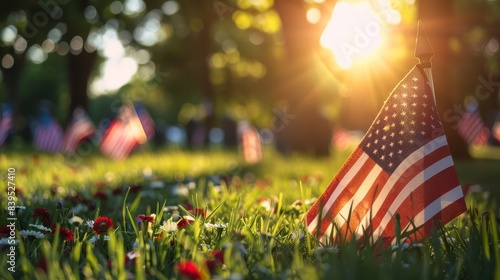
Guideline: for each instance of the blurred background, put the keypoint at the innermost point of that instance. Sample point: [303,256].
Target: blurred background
[294,68]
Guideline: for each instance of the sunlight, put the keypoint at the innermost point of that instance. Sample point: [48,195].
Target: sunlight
[353,32]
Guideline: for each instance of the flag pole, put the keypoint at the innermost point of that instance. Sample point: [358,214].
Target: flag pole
[424,53]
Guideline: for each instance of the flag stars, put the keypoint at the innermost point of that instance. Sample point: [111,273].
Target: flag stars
[414,95]
[400,151]
[422,123]
[394,115]
[404,104]
[393,124]
[402,122]
[375,151]
[404,85]
[384,137]
[382,157]
[412,131]
[390,164]
[410,141]
[391,144]
[415,79]
[412,122]
[392,134]
[422,132]
[383,147]
[391,154]
[400,142]
[404,95]
[401,132]
[375,142]
[403,113]
[368,145]
[424,114]
[424,104]
[425,95]
[414,104]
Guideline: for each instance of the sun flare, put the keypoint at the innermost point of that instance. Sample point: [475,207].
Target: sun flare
[354,32]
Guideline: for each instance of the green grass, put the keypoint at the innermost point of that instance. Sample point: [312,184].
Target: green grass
[258,240]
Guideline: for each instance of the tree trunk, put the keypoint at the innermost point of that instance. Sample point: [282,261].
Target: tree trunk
[302,128]
[79,68]
[437,17]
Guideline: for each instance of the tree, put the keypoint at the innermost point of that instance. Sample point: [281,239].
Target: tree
[309,131]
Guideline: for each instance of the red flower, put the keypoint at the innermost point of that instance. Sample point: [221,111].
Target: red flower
[4,231]
[183,222]
[135,188]
[117,191]
[101,195]
[90,204]
[102,225]
[43,213]
[42,264]
[199,212]
[64,233]
[189,270]
[217,261]
[144,219]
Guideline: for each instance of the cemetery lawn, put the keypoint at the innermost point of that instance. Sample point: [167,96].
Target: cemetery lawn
[174,214]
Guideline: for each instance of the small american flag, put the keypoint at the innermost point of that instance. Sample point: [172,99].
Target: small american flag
[472,129]
[79,129]
[146,121]
[48,134]
[123,134]
[251,144]
[5,124]
[402,168]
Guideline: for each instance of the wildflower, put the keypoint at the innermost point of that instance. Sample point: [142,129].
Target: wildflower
[144,219]
[184,221]
[168,226]
[215,226]
[43,214]
[64,233]
[75,220]
[101,195]
[59,204]
[189,270]
[117,191]
[217,260]
[130,258]
[36,234]
[199,212]
[4,231]
[102,225]
[42,264]
[135,188]
[41,227]
[95,238]
[8,242]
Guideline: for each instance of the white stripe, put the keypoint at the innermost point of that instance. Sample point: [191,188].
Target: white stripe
[400,170]
[338,189]
[437,206]
[423,176]
[360,194]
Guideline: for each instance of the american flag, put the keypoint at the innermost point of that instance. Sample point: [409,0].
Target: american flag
[79,129]
[5,124]
[48,134]
[123,134]
[251,144]
[146,121]
[472,129]
[402,167]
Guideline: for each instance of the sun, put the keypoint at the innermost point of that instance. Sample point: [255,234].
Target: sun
[354,32]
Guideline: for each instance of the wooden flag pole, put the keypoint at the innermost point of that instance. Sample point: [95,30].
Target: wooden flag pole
[424,53]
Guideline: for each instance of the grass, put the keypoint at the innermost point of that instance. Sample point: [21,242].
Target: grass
[243,222]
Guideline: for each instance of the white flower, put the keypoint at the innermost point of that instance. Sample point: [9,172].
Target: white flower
[212,226]
[169,226]
[95,238]
[40,227]
[6,241]
[79,208]
[89,223]
[75,219]
[36,234]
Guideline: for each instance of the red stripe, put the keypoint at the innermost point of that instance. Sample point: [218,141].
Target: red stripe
[365,205]
[316,208]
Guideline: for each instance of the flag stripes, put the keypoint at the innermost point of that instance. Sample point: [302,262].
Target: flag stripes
[48,137]
[78,130]
[472,129]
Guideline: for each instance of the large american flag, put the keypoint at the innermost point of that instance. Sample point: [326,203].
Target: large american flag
[48,134]
[402,167]
[123,134]
[79,129]
[472,129]
[5,124]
